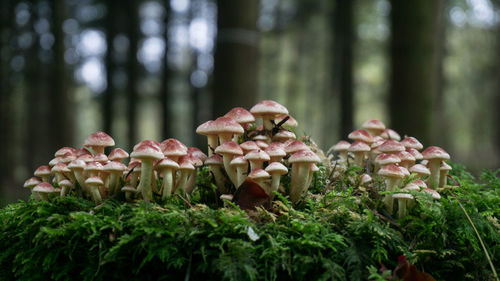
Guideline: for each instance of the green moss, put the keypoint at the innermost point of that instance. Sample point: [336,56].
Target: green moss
[335,234]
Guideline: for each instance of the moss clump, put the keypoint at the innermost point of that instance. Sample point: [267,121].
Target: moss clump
[335,234]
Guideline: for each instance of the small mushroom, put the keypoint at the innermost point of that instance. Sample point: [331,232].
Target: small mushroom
[403,199]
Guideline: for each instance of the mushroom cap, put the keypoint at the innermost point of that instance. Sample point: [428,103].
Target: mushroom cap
[359,146]
[435,152]
[101,158]
[31,182]
[94,181]
[385,159]
[229,147]
[435,194]
[390,134]
[411,142]
[65,183]
[93,166]
[445,167]
[114,166]
[61,151]
[365,178]
[42,171]
[249,146]
[276,168]
[60,168]
[405,171]
[403,196]
[86,158]
[420,169]
[128,188]
[291,122]
[54,161]
[240,115]
[118,153]
[148,142]
[296,146]
[172,143]
[82,151]
[405,156]
[185,164]
[304,156]
[167,163]
[257,155]
[195,161]
[226,125]
[67,157]
[260,137]
[392,171]
[391,146]
[44,187]
[146,151]
[268,108]
[77,164]
[360,135]
[342,146]
[238,161]
[207,128]
[99,139]
[373,124]
[412,186]
[275,150]
[313,167]
[261,144]
[420,183]
[284,135]
[226,197]
[259,174]
[415,153]
[214,159]
[197,153]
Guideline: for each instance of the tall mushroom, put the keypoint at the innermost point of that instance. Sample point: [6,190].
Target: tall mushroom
[167,168]
[276,170]
[229,150]
[257,158]
[147,154]
[393,175]
[241,165]
[359,149]
[341,149]
[208,129]
[267,110]
[216,165]
[44,189]
[43,172]
[300,161]
[435,155]
[98,141]
[443,171]
[374,127]
[95,184]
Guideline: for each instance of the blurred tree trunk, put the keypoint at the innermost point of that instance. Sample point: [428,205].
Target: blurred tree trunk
[60,113]
[108,97]
[343,62]
[132,69]
[415,60]
[496,104]
[6,112]
[165,92]
[440,135]
[236,55]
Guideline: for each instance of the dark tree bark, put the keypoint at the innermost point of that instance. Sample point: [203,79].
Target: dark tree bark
[132,69]
[60,129]
[343,63]
[165,92]
[440,134]
[236,55]
[414,66]
[108,111]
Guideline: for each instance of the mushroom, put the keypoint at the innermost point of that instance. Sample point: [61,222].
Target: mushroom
[360,135]
[289,123]
[115,170]
[276,170]
[186,169]
[191,182]
[257,158]
[31,183]
[435,155]
[229,150]
[284,135]
[167,168]
[242,116]
[225,127]
[43,172]
[248,146]
[420,170]
[443,171]
[194,151]
[95,183]
[173,149]
[341,148]
[385,159]
[411,142]
[98,141]
[216,164]
[374,127]
[147,154]
[359,149]
[65,186]
[391,146]
[295,146]
[312,169]
[44,189]
[241,165]
[300,161]
[118,155]
[407,160]
[275,151]
[389,134]
[403,199]
[62,151]
[435,195]
[77,166]
[129,192]
[261,177]
[393,175]
[208,129]
[267,110]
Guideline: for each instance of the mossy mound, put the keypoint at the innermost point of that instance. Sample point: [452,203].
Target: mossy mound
[337,234]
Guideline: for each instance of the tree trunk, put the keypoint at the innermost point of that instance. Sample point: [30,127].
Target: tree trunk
[132,70]
[414,66]
[109,95]
[60,129]
[165,92]
[343,63]
[236,55]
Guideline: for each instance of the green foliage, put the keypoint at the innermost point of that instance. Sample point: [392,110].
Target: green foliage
[334,234]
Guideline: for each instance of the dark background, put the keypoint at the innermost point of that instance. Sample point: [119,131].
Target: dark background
[157,69]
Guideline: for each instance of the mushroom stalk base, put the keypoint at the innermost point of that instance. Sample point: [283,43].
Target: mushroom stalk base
[145,182]
[168,183]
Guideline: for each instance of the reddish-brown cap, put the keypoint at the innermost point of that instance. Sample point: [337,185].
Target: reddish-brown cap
[118,154]
[229,147]
[67,157]
[226,125]
[86,157]
[295,146]
[360,135]
[389,134]
[65,183]
[415,153]
[185,164]
[240,115]
[365,178]
[304,156]
[386,159]
[411,142]
[44,187]
[435,152]
[42,171]
[101,158]
[60,168]
[405,156]
[391,171]
[261,144]
[82,151]
[32,182]
[277,168]
[268,108]
[195,161]
[54,161]
[257,155]
[175,143]
[99,139]
[390,146]
[93,166]
[420,183]
[374,124]
[359,146]
[420,169]
[146,151]
[60,152]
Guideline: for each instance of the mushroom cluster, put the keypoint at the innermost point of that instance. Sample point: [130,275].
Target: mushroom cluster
[381,151]
[256,145]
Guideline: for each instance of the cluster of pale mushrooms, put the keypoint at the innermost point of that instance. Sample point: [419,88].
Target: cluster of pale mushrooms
[381,151]
[256,145]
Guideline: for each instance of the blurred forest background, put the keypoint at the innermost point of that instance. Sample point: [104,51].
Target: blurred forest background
[157,69]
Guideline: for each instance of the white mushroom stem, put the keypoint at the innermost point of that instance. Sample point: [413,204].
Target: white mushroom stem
[402,207]
[229,170]
[343,156]
[241,171]
[168,183]
[310,178]
[97,149]
[300,176]
[181,185]
[391,183]
[212,144]
[220,180]
[275,183]
[190,184]
[442,178]
[266,123]
[225,137]
[96,196]
[359,157]
[145,182]
[255,164]
[80,179]
[434,165]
